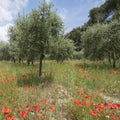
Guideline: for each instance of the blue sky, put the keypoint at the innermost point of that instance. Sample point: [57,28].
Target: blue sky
[74,13]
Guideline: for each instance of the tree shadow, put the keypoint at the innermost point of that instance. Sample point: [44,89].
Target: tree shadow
[32,79]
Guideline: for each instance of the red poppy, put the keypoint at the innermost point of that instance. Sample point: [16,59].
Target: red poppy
[40,115]
[112,106]
[27,108]
[36,107]
[94,113]
[100,107]
[5,110]
[51,107]
[112,116]
[10,117]
[76,101]
[80,91]
[80,70]
[23,114]
[6,80]
[45,101]
[12,78]
[26,87]
[87,103]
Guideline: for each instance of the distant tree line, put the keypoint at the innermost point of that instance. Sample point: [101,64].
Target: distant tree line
[99,37]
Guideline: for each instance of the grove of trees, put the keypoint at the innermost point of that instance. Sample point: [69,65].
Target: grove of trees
[41,33]
[34,35]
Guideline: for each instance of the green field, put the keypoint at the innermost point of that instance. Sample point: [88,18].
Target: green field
[73,90]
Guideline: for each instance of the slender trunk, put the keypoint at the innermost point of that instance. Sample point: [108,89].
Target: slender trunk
[19,60]
[14,60]
[40,65]
[114,60]
[109,59]
[28,62]
[32,62]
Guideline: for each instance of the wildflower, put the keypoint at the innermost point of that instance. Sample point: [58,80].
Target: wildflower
[5,110]
[112,116]
[6,81]
[51,107]
[100,107]
[112,106]
[27,108]
[26,87]
[1,90]
[76,101]
[10,117]
[87,103]
[94,113]
[40,115]
[45,101]
[80,91]
[115,106]
[23,114]
[80,70]
[12,78]
[85,97]
[36,107]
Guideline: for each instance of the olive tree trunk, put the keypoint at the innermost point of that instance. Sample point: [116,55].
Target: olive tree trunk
[40,65]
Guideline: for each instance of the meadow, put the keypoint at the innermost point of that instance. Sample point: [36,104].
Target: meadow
[73,90]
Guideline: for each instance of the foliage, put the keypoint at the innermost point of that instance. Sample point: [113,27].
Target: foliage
[93,42]
[101,41]
[78,54]
[4,51]
[100,14]
[62,49]
[31,34]
[75,35]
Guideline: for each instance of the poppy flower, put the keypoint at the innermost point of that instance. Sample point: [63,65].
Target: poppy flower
[40,115]
[27,108]
[87,103]
[23,114]
[94,113]
[36,107]
[10,117]
[5,110]
[80,91]
[51,107]
[45,101]
[76,101]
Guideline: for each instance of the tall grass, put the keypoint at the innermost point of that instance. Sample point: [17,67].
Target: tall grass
[72,81]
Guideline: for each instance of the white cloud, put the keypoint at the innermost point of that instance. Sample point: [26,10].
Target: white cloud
[3,32]
[8,10]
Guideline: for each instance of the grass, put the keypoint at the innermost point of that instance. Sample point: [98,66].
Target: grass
[71,90]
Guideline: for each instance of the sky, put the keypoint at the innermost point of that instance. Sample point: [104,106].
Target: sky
[74,13]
